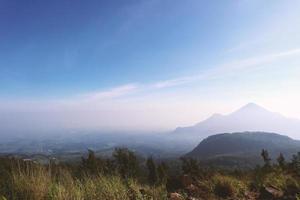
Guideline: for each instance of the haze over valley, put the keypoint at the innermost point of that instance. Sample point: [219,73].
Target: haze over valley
[168,144]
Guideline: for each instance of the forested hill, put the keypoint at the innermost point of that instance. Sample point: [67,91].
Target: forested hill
[244,144]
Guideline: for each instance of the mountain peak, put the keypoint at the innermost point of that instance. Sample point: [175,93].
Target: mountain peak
[251,107]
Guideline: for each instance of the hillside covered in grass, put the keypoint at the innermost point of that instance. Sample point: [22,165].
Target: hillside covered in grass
[126,176]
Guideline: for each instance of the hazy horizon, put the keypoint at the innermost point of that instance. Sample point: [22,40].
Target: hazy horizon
[144,65]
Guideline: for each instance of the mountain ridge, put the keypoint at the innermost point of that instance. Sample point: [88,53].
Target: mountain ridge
[250,117]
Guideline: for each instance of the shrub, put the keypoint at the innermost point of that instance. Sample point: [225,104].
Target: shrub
[225,186]
[280,180]
[224,189]
[292,186]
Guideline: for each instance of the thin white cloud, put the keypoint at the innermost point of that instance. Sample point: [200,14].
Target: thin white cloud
[220,71]
[172,82]
[259,60]
[228,68]
[112,93]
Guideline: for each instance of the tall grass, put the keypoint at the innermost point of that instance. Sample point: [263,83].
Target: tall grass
[30,181]
[37,182]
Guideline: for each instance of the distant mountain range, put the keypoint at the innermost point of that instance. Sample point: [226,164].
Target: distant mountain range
[251,117]
[245,147]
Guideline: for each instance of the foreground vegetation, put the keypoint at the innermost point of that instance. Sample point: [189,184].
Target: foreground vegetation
[126,176]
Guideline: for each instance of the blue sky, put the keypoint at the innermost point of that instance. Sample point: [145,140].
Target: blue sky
[129,58]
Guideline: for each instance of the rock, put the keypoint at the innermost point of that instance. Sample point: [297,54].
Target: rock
[192,190]
[193,198]
[270,192]
[251,195]
[175,196]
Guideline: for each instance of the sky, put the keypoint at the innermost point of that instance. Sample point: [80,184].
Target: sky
[145,65]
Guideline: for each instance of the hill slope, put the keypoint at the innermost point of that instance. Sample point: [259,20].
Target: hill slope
[243,145]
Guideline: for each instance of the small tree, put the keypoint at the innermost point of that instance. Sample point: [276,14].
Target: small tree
[295,164]
[281,161]
[162,172]
[91,164]
[266,158]
[152,171]
[126,162]
[190,166]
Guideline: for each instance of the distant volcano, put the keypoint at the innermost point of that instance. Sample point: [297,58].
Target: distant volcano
[250,117]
